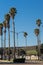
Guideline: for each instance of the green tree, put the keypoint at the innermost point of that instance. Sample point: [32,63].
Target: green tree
[22,52]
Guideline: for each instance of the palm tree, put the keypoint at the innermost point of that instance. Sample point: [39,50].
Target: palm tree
[1,27]
[25,35]
[12,14]
[38,22]
[7,18]
[37,34]
[4,25]
[1,33]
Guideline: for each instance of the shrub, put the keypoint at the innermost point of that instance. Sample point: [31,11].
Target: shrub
[19,60]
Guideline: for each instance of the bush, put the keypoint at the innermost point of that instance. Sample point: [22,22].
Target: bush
[19,60]
[41,50]
[31,52]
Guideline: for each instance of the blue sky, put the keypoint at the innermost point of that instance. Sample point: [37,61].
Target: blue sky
[28,11]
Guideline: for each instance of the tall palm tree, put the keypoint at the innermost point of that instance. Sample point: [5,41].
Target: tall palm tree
[1,33]
[4,25]
[37,34]
[38,22]
[25,35]
[1,27]
[12,14]
[7,18]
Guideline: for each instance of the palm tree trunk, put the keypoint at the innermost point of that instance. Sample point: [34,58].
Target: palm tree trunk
[17,44]
[4,42]
[9,42]
[39,43]
[1,37]
[17,39]
[13,37]
[2,46]
[26,42]
[38,47]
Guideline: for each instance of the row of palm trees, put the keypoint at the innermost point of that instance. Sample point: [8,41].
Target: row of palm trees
[6,24]
[37,33]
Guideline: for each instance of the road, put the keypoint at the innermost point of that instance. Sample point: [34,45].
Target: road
[21,64]
[26,63]
[29,63]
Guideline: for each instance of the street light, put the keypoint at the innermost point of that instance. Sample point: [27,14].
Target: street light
[17,33]
[25,35]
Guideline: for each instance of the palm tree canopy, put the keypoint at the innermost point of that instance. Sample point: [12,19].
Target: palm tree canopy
[13,12]
[4,23]
[1,25]
[38,22]
[7,17]
[25,34]
[36,32]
